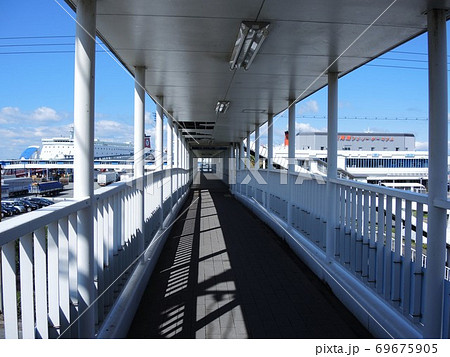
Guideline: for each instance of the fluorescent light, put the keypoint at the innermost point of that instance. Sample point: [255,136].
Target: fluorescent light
[222,106]
[250,38]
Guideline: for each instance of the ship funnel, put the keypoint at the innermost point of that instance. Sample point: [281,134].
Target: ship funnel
[286,138]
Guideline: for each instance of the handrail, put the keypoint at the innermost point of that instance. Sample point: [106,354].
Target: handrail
[19,226]
[406,195]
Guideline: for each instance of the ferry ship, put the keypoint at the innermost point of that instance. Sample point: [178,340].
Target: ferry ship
[58,148]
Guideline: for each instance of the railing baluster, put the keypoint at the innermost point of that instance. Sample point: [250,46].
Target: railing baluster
[353,236]
[406,295]
[359,225]
[64,296]
[417,301]
[40,282]
[388,250]
[380,244]
[9,289]
[365,237]
[99,260]
[106,253]
[73,274]
[53,288]
[348,232]
[95,214]
[343,225]
[26,285]
[396,273]
[372,240]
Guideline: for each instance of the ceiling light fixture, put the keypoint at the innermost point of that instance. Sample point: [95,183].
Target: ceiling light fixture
[222,106]
[250,38]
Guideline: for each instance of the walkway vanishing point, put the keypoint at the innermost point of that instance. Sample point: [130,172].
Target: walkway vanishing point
[225,274]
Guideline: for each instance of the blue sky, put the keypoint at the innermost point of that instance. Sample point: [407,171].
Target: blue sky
[36,90]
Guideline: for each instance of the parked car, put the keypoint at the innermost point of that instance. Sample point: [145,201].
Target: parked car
[41,202]
[9,211]
[30,206]
[16,205]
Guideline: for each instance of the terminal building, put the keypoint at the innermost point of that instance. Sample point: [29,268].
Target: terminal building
[387,159]
[358,141]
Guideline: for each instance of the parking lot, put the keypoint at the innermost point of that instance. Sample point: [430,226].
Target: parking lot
[66,193]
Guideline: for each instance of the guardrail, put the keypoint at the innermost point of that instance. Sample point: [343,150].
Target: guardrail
[374,238]
[39,269]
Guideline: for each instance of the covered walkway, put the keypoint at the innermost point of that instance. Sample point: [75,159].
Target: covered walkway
[225,274]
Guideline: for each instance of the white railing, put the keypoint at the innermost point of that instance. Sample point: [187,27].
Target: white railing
[39,270]
[368,219]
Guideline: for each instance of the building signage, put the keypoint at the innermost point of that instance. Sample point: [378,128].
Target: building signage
[364,138]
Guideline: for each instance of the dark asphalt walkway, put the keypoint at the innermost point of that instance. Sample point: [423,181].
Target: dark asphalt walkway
[224,274]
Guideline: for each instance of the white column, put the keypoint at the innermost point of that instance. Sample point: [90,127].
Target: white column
[291,158]
[176,157]
[332,162]
[248,149]
[291,129]
[159,152]
[437,172]
[139,148]
[232,168]
[170,154]
[257,146]
[241,154]
[270,141]
[183,159]
[84,90]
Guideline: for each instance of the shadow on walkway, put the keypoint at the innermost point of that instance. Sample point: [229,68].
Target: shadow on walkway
[224,274]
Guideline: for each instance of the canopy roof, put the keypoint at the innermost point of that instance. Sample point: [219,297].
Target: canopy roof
[186,47]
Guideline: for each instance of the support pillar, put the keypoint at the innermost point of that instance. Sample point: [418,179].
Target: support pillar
[170,154]
[248,149]
[331,162]
[159,152]
[241,154]
[291,158]
[437,172]
[269,156]
[159,135]
[175,158]
[139,152]
[270,141]
[183,160]
[84,92]
[257,147]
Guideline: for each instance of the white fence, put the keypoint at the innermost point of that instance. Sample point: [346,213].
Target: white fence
[375,239]
[39,270]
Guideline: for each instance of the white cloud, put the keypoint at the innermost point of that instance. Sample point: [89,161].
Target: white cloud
[113,130]
[310,106]
[45,114]
[422,145]
[41,114]
[306,128]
